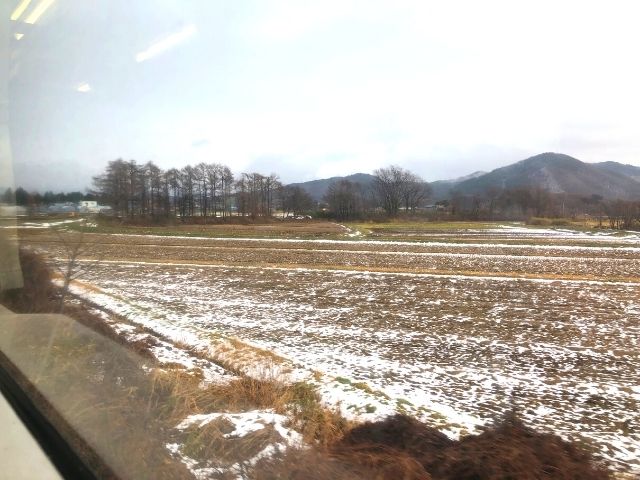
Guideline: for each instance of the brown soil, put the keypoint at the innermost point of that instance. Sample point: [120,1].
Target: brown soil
[520,262]
[400,447]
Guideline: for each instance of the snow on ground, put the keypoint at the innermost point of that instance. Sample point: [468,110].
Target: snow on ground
[457,350]
[243,250]
[350,232]
[167,353]
[507,279]
[238,426]
[505,234]
[523,269]
[43,225]
[454,350]
[530,232]
[247,422]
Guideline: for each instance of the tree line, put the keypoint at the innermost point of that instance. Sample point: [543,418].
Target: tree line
[531,203]
[393,190]
[207,190]
[23,198]
[212,190]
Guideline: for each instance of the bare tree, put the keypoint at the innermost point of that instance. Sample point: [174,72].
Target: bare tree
[155,189]
[71,262]
[388,188]
[345,199]
[295,200]
[226,188]
[188,190]
[113,188]
[203,188]
[255,194]
[271,185]
[415,192]
[396,187]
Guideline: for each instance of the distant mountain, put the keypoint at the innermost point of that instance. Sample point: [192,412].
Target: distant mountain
[555,172]
[477,174]
[317,188]
[619,168]
[441,189]
[560,173]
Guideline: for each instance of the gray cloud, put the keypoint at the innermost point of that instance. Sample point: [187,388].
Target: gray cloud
[309,89]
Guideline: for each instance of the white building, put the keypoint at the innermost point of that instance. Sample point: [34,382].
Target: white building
[88,206]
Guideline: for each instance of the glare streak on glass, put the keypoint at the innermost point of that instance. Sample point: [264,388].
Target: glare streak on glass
[165,44]
[84,87]
[38,11]
[17,13]
[18,36]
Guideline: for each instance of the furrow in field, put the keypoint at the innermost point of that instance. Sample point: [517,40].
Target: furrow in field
[564,353]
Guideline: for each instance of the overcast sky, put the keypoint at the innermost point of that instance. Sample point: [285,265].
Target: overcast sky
[312,89]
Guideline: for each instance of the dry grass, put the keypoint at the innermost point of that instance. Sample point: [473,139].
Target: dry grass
[240,346]
[95,393]
[299,401]
[175,395]
[524,262]
[234,227]
[123,409]
[38,294]
[209,443]
[346,464]
[136,412]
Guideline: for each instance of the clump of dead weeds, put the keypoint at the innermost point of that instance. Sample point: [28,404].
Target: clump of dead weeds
[38,294]
[181,396]
[401,447]
[212,442]
[163,397]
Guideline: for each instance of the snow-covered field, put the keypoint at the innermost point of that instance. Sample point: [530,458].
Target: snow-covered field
[448,331]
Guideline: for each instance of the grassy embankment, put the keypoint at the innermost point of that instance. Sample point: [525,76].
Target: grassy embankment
[131,404]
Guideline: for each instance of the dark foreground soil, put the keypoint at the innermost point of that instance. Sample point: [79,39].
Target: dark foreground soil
[401,447]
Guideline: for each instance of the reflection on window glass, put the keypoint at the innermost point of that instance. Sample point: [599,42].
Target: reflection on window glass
[323,240]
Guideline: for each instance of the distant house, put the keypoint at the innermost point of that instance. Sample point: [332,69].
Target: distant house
[66,207]
[88,206]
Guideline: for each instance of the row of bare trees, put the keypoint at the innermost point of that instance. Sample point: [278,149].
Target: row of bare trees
[525,203]
[211,190]
[205,190]
[347,200]
[256,194]
[622,215]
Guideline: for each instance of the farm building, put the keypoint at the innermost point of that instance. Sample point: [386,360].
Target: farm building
[88,206]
